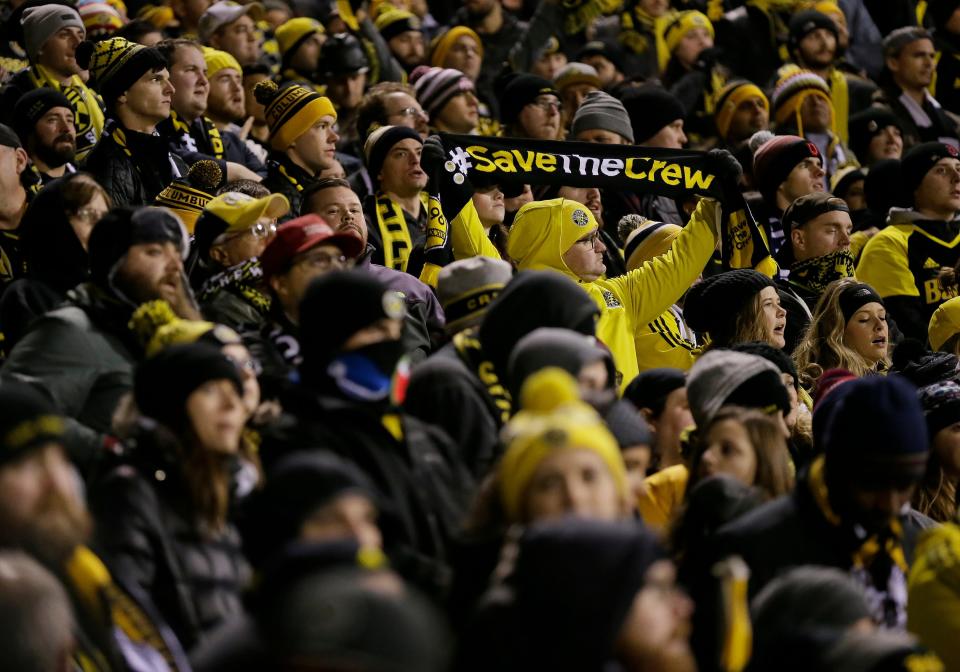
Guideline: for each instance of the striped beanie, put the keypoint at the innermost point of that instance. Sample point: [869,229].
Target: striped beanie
[795,86]
[729,99]
[290,111]
[435,87]
[188,196]
[116,64]
[100,19]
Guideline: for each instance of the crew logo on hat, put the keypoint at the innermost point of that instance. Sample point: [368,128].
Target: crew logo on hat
[580,218]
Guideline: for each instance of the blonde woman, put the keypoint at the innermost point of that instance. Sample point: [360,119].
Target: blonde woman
[848,331]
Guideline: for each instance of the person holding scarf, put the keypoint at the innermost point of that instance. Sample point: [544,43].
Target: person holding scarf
[818,252]
[851,508]
[345,402]
[51,35]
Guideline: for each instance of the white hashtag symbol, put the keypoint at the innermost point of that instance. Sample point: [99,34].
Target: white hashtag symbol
[459,160]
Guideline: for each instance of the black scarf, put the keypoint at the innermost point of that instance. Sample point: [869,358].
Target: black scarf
[813,275]
[673,173]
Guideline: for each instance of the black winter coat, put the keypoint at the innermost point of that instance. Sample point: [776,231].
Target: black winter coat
[425,490]
[151,539]
[791,531]
[133,167]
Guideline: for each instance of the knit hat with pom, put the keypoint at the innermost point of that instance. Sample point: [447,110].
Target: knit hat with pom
[552,418]
[158,327]
[791,90]
[291,111]
[116,64]
[187,197]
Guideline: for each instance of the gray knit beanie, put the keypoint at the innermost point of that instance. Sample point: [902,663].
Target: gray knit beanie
[603,111]
[718,374]
[41,23]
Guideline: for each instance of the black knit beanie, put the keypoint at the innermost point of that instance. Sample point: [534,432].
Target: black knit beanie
[854,297]
[627,425]
[28,419]
[775,356]
[874,434]
[380,142]
[714,305]
[804,23]
[297,486]
[865,125]
[162,383]
[32,106]
[651,388]
[123,227]
[339,304]
[519,92]
[919,160]
[650,109]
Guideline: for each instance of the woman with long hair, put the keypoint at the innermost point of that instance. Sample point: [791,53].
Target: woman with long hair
[164,516]
[936,496]
[748,445]
[848,331]
[736,307]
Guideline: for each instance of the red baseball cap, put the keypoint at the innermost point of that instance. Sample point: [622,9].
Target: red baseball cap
[302,234]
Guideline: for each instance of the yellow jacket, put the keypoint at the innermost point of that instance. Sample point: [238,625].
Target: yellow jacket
[663,496]
[933,600]
[665,342]
[544,230]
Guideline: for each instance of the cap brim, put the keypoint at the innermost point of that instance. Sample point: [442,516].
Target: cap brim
[350,245]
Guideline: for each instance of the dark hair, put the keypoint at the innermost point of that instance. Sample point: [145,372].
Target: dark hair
[256,69]
[80,190]
[136,29]
[318,186]
[372,109]
[246,187]
[169,47]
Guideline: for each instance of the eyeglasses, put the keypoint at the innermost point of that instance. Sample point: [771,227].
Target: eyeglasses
[323,261]
[90,214]
[548,105]
[409,112]
[260,231]
[590,240]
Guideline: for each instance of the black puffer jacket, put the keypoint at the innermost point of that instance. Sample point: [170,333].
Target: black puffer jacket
[150,538]
[425,489]
[133,167]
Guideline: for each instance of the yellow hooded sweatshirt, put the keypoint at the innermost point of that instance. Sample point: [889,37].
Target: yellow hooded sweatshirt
[542,233]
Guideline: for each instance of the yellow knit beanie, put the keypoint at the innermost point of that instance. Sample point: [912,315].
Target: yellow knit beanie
[552,418]
[291,111]
[219,60]
[683,24]
[440,46]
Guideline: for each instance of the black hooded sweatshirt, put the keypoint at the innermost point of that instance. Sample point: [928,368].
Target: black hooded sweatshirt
[463,387]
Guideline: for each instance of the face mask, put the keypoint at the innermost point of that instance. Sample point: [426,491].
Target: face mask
[365,373]
[819,272]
